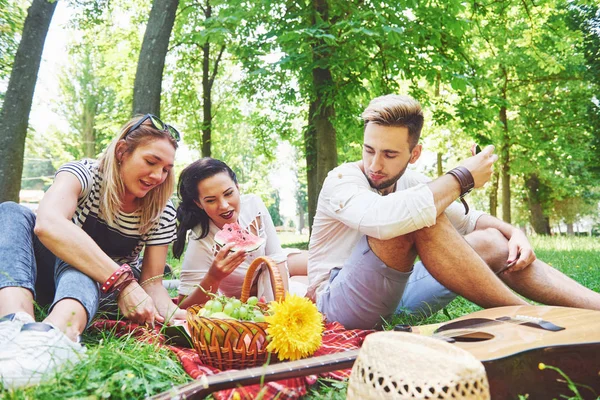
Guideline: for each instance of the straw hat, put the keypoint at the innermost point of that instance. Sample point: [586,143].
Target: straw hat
[397,365]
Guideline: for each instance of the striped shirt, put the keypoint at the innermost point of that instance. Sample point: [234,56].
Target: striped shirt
[122,242]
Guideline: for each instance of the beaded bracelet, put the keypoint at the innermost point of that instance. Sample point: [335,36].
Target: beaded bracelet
[107,287]
[152,279]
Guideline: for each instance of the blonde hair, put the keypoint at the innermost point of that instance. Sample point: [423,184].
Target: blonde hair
[112,188]
[396,110]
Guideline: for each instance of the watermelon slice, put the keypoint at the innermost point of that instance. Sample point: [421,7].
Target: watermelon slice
[244,240]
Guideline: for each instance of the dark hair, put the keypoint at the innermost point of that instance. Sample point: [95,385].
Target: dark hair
[188,213]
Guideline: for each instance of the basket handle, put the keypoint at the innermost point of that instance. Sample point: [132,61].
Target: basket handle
[276,281]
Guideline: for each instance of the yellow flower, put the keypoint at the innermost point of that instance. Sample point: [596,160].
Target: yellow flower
[295,328]
[541,366]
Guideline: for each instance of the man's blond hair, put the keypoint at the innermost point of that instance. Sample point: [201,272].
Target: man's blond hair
[396,110]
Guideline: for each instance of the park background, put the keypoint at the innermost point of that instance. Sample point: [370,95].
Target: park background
[276,88]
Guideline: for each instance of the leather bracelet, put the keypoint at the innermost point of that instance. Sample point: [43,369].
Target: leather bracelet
[108,286]
[466,182]
[119,287]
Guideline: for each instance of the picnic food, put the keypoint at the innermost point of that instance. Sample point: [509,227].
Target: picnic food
[234,233]
[223,307]
[235,343]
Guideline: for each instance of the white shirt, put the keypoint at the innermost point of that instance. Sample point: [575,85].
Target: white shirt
[200,253]
[348,207]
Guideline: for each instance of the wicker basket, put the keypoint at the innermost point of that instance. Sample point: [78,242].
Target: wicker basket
[233,344]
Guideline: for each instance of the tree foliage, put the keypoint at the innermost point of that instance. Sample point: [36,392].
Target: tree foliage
[240,77]
[527,62]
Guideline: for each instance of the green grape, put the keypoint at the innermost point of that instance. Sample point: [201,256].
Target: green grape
[235,313]
[243,311]
[252,300]
[228,308]
[259,318]
[217,306]
[208,305]
[236,303]
[204,312]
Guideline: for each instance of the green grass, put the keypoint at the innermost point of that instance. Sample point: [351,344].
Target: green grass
[123,368]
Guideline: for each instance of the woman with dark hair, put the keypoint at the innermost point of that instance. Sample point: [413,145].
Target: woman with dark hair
[210,198]
[81,247]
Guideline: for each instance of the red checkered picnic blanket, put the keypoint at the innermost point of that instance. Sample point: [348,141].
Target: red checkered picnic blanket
[335,340]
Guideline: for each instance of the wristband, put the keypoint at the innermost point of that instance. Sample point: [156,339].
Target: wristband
[118,288]
[109,285]
[466,182]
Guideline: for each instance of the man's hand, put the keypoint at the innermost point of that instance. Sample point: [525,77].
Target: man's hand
[136,305]
[520,252]
[481,165]
[225,262]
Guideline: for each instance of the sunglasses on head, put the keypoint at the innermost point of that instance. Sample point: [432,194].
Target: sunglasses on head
[157,124]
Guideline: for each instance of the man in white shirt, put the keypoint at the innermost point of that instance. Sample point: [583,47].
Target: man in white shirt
[374,217]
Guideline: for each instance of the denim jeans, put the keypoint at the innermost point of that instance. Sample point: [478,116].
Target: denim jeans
[25,262]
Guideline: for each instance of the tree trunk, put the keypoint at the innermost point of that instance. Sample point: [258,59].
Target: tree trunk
[321,110]
[88,118]
[206,91]
[504,158]
[440,167]
[310,147]
[325,132]
[148,77]
[504,155]
[208,80]
[570,230]
[539,222]
[206,97]
[494,195]
[301,221]
[14,117]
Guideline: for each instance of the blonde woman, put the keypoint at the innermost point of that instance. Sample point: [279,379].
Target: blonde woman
[89,230]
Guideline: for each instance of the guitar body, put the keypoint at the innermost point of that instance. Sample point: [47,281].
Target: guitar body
[509,350]
[511,353]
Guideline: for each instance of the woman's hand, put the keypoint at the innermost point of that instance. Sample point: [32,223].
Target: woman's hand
[225,262]
[136,305]
[163,302]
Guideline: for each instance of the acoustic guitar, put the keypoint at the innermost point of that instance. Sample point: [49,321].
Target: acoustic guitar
[511,342]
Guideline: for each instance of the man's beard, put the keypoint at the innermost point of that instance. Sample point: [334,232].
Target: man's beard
[388,182]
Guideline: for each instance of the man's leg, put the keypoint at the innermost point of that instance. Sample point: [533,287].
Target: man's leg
[539,281]
[451,261]
[363,291]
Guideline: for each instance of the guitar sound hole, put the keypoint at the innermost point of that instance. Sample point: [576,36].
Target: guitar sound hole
[473,337]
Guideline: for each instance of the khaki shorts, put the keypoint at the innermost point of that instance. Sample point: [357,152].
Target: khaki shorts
[365,290]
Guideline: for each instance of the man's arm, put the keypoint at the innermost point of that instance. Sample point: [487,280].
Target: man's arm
[446,188]
[519,248]
[349,199]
